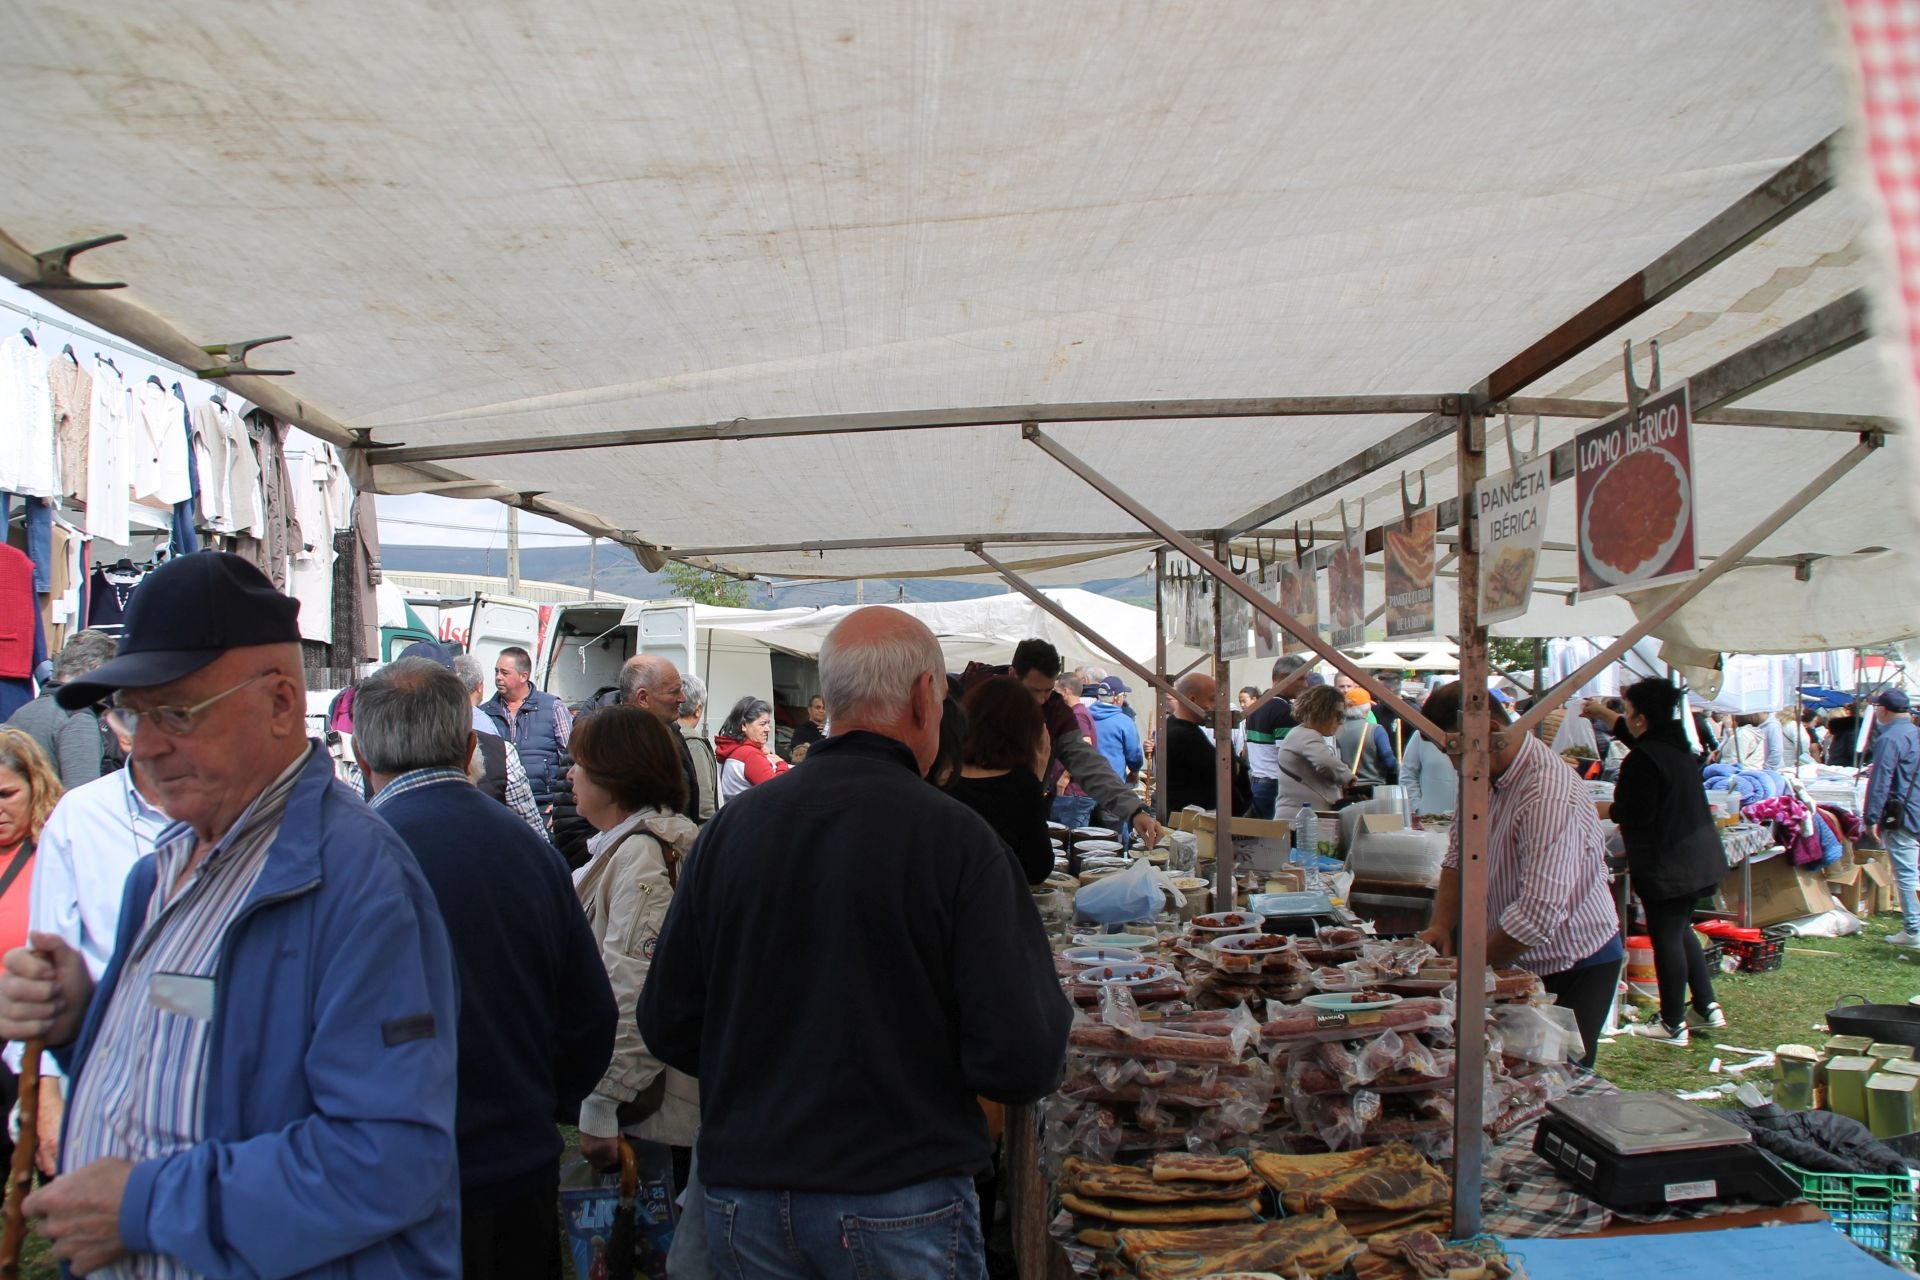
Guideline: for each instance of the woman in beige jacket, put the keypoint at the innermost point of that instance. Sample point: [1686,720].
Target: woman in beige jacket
[629,785]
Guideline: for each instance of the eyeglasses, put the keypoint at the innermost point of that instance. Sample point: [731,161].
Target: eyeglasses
[175,722]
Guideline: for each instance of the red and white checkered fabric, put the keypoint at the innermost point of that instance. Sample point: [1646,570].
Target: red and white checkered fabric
[1886,42]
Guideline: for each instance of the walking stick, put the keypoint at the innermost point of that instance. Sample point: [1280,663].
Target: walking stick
[20,1176]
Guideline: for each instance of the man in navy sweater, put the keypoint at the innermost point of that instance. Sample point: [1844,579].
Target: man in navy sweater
[852,959]
[536,1010]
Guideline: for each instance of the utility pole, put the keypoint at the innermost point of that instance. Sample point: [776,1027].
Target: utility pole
[593,565]
[859,590]
[513,551]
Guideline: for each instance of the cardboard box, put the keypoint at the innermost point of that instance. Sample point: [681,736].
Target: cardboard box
[1879,895]
[1847,882]
[1781,891]
[1266,845]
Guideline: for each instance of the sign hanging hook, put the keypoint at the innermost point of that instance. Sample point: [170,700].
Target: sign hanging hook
[1407,505]
[1300,550]
[1635,392]
[1513,455]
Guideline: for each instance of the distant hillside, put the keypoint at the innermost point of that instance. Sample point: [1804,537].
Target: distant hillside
[618,572]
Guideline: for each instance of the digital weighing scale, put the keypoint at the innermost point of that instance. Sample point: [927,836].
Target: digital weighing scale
[1627,1150]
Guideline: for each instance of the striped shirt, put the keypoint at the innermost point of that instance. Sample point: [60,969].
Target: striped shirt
[142,1095]
[1547,883]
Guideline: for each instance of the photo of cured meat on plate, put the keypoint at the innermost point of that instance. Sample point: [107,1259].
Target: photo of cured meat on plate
[1508,579]
[1635,516]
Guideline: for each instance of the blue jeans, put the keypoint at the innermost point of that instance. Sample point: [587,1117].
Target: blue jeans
[1073,811]
[1265,792]
[927,1230]
[1903,849]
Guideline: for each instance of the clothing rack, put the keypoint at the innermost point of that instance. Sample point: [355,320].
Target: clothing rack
[67,325]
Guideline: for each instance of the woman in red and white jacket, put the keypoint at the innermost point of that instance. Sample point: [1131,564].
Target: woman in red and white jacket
[741,746]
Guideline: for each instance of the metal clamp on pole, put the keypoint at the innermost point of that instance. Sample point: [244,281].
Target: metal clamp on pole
[236,353]
[1635,392]
[56,266]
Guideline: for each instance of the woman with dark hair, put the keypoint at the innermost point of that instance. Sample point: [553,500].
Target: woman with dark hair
[1003,753]
[741,746]
[945,769]
[627,782]
[1673,848]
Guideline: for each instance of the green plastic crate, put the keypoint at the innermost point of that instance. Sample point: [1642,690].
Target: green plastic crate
[1878,1212]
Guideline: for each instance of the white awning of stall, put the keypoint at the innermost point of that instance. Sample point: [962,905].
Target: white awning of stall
[488,222]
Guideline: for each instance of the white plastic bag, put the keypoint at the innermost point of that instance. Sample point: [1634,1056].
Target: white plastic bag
[1576,734]
[1133,894]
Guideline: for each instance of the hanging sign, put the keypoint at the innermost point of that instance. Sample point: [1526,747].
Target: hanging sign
[1410,573]
[1198,616]
[1300,599]
[1511,515]
[1266,632]
[1347,591]
[1236,621]
[1633,487]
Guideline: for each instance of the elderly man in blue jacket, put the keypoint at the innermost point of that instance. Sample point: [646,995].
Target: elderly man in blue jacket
[263,1081]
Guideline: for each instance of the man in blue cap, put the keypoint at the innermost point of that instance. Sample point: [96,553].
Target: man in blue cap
[1893,801]
[263,1080]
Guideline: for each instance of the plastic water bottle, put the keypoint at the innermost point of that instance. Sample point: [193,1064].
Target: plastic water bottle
[1306,846]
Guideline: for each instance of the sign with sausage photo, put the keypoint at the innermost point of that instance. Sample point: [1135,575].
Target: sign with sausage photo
[1410,573]
[1300,598]
[1347,591]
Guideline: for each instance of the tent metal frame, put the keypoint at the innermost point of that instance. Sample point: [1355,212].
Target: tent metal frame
[1459,415]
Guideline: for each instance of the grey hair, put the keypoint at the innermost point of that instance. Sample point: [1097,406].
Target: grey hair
[875,679]
[88,651]
[693,695]
[412,714]
[471,673]
[1071,683]
[641,671]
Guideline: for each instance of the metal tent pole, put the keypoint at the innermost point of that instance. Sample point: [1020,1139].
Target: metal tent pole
[1472,819]
[1156,766]
[1230,580]
[1223,858]
[1080,628]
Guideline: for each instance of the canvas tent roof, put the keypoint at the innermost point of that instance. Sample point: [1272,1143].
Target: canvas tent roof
[984,629]
[590,217]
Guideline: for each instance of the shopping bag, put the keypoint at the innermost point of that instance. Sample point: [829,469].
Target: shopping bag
[1137,893]
[590,1204]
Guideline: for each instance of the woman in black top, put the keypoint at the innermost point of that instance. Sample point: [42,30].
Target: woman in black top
[1673,848]
[1003,754]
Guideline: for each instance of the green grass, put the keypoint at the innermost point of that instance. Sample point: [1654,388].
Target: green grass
[1769,1009]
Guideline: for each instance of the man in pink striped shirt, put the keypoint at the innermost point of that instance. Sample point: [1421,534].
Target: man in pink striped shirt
[1549,907]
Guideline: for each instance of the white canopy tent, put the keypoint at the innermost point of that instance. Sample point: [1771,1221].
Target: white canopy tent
[775,291]
[840,210]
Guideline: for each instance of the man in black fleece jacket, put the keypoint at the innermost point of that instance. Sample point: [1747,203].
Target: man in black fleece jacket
[536,1010]
[850,961]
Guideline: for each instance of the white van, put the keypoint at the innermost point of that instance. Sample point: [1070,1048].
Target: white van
[585,644]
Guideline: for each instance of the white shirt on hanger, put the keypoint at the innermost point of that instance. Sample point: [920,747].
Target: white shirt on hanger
[108,472]
[27,457]
[160,447]
[310,577]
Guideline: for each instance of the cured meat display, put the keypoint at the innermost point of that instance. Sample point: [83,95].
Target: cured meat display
[1327,1061]
[1394,1176]
[1312,1245]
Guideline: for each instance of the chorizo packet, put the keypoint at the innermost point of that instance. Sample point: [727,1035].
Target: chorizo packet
[1120,1031]
[1304,1024]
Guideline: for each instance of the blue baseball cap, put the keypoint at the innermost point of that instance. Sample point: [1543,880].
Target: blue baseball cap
[1894,700]
[1115,685]
[182,617]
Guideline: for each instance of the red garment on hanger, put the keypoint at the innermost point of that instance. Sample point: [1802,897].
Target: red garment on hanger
[17,614]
